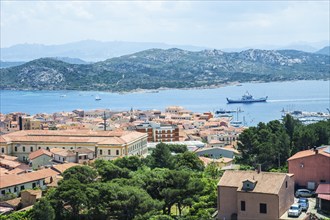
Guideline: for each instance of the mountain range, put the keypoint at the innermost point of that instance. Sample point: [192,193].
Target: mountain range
[93,51]
[170,68]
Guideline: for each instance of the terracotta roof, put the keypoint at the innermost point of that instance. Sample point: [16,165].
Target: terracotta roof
[323,188]
[38,153]
[2,140]
[16,171]
[7,157]
[9,163]
[36,192]
[306,153]
[12,179]
[324,196]
[267,182]
[63,167]
[74,136]
[12,202]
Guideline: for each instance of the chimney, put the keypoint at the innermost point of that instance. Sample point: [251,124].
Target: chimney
[77,157]
[20,123]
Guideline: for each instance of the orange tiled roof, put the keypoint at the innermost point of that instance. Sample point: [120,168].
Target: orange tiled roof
[267,182]
[63,167]
[12,179]
[38,153]
[311,152]
[74,136]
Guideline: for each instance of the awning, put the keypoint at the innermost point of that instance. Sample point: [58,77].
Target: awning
[324,196]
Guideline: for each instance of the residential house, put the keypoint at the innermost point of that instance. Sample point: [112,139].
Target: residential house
[323,197]
[30,197]
[40,158]
[79,155]
[13,183]
[311,167]
[246,195]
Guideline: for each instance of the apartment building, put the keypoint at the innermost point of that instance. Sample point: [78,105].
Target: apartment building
[159,132]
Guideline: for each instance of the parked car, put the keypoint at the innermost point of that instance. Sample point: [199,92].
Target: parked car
[304,193]
[303,203]
[295,210]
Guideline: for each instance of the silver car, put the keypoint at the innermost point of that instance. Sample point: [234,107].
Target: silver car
[295,210]
[304,193]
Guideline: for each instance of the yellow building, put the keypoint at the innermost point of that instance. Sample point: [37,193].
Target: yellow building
[105,144]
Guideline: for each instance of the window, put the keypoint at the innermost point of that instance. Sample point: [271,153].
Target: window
[101,152]
[117,152]
[3,192]
[15,189]
[39,148]
[23,148]
[263,208]
[31,149]
[34,185]
[2,150]
[15,148]
[47,148]
[22,187]
[242,205]
[109,152]
[286,184]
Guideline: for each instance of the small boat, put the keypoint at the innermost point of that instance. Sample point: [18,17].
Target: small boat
[63,95]
[97,98]
[247,98]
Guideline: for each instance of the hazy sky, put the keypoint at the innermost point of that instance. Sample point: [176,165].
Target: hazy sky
[215,24]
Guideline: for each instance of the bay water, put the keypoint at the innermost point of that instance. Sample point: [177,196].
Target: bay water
[293,95]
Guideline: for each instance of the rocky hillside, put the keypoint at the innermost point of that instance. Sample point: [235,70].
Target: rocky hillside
[324,50]
[172,68]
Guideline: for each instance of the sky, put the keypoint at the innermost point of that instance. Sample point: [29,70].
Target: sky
[214,24]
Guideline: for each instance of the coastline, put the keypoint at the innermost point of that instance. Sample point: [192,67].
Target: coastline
[139,90]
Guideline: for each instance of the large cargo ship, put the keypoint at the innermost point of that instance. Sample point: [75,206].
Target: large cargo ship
[247,98]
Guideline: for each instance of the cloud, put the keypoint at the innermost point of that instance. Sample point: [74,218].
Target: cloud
[208,23]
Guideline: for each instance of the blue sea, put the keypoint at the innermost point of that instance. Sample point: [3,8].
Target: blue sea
[294,95]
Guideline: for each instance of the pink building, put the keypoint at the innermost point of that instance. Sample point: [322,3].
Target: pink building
[311,167]
[254,195]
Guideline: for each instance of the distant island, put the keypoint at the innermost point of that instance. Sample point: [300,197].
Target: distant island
[171,68]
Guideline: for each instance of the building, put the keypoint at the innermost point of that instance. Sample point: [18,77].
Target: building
[254,195]
[13,183]
[217,152]
[323,197]
[311,167]
[40,158]
[79,155]
[106,144]
[30,197]
[159,132]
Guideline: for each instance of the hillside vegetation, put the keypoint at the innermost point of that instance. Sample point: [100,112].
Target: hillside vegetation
[172,68]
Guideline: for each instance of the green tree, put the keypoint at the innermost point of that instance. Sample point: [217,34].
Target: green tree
[110,171]
[84,174]
[189,160]
[161,157]
[72,193]
[132,163]
[177,148]
[42,210]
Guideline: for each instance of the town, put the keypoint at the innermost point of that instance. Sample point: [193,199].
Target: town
[37,152]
